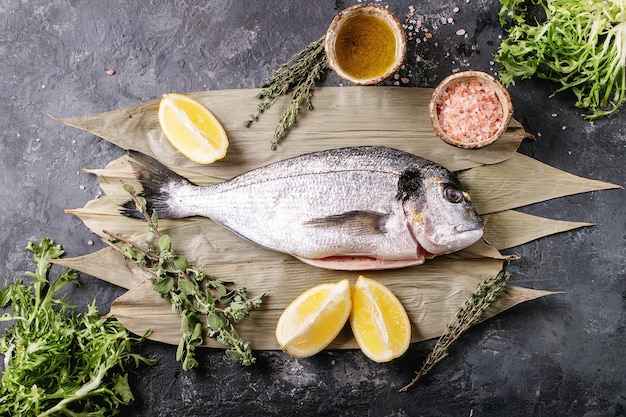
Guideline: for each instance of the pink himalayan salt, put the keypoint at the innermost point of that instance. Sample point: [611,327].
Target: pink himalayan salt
[469,112]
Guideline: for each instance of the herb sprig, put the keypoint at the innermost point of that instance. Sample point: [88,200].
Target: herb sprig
[299,77]
[472,312]
[57,361]
[192,292]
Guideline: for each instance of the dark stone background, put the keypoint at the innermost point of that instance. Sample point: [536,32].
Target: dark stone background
[558,356]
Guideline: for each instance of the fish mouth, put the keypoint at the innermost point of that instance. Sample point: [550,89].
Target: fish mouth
[462,236]
[469,227]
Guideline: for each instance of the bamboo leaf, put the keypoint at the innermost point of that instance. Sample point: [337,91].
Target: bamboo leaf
[430,302]
[497,178]
[430,292]
[506,229]
[393,116]
[520,181]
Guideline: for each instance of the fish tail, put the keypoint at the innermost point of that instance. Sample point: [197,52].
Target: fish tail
[162,188]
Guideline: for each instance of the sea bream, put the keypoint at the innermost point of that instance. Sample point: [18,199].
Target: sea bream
[354,208]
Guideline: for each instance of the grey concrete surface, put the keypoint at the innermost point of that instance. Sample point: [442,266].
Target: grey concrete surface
[558,356]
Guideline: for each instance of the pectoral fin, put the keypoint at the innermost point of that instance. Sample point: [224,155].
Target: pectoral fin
[356,222]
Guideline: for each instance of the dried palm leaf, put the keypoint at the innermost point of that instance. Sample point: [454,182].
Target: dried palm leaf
[520,181]
[392,116]
[431,294]
[506,229]
[497,177]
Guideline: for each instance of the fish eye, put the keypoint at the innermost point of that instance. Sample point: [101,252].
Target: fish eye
[453,194]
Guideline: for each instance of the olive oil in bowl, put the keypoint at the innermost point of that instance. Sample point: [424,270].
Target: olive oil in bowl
[365,44]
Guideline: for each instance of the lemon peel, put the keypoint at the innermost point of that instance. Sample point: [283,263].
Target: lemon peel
[192,129]
[314,319]
[379,322]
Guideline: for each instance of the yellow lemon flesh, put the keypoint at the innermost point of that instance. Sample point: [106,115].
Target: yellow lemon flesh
[192,128]
[313,320]
[379,322]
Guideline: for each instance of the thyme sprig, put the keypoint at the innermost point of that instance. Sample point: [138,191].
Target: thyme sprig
[299,77]
[472,312]
[192,292]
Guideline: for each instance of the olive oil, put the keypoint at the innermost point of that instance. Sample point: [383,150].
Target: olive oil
[365,46]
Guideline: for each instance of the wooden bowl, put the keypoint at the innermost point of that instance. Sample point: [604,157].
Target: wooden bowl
[365,44]
[470,109]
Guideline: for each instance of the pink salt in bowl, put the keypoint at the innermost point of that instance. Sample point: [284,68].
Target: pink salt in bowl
[470,109]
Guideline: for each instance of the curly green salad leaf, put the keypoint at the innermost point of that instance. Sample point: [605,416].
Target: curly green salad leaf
[580,44]
[58,362]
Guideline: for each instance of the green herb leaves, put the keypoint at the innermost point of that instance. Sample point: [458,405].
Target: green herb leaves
[472,312]
[580,44]
[298,76]
[207,306]
[58,362]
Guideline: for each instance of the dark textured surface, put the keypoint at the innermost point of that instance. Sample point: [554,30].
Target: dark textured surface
[557,356]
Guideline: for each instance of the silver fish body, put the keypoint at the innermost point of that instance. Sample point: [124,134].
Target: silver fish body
[351,208]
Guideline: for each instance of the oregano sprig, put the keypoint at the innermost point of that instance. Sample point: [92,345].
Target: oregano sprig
[472,312]
[192,292]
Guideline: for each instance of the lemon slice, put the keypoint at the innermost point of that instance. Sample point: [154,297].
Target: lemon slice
[313,320]
[379,322]
[192,128]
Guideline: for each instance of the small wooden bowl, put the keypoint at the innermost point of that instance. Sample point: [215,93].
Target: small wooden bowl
[473,137]
[365,44]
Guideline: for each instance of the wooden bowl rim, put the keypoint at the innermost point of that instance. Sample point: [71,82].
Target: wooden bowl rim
[485,79]
[356,10]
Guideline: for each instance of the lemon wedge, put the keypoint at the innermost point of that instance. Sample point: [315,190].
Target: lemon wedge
[379,321]
[314,319]
[192,129]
